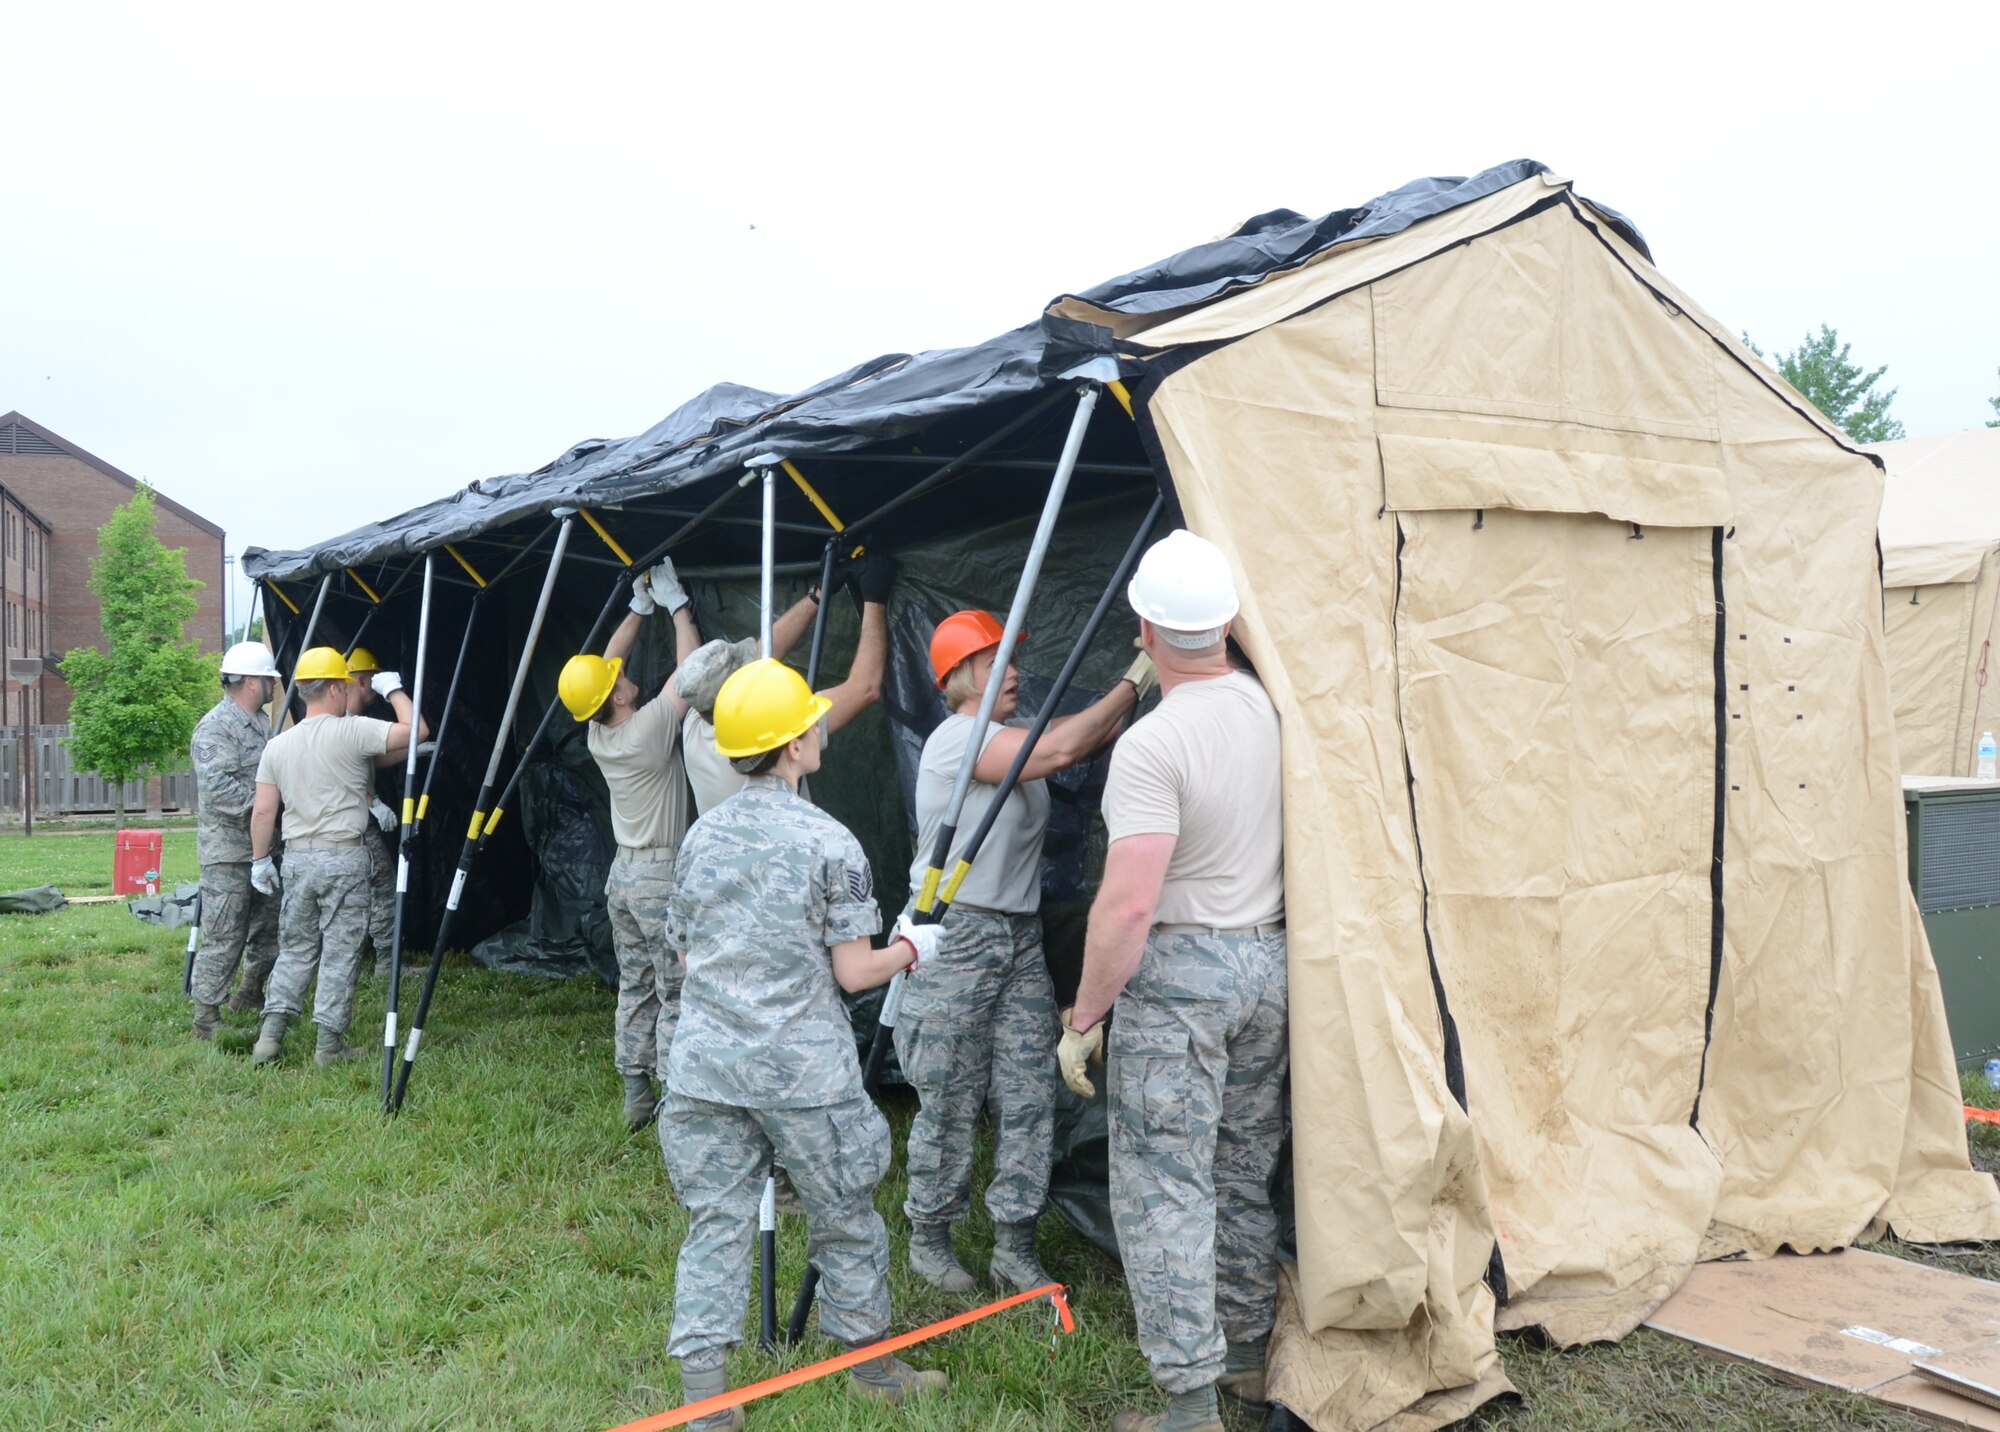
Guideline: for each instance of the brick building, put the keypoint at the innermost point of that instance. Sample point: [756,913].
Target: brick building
[53,498]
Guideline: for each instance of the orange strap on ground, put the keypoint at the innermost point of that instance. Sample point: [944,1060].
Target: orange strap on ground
[735,1397]
[1982,1116]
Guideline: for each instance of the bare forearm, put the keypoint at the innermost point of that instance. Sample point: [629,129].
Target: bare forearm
[793,623]
[863,687]
[1112,949]
[263,824]
[687,634]
[624,639]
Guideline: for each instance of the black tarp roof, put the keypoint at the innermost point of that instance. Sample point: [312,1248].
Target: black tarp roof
[887,397]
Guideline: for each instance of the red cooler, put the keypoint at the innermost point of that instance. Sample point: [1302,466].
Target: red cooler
[136,868]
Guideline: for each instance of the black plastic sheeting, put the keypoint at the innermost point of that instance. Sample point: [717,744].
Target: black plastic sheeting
[887,397]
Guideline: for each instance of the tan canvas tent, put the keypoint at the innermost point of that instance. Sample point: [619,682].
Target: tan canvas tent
[1594,848]
[1941,580]
[1603,961]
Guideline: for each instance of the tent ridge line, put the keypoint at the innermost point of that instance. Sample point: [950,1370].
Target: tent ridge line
[1819,422]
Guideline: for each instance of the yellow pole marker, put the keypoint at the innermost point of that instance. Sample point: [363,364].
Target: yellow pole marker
[927,896]
[470,570]
[409,811]
[423,805]
[812,496]
[279,592]
[478,821]
[958,875]
[1124,398]
[373,596]
[493,821]
[598,527]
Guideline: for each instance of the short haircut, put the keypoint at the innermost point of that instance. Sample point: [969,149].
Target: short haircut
[1191,640]
[311,691]
[759,764]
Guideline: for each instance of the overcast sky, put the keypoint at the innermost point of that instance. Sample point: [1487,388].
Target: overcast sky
[304,267]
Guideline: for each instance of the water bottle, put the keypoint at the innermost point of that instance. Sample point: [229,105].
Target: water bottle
[1987,750]
[1993,1075]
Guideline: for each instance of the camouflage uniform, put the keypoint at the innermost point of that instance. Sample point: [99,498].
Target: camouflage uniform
[1198,1059]
[976,1027]
[763,1062]
[321,919]
[381,850]
[237,923]
[636,892]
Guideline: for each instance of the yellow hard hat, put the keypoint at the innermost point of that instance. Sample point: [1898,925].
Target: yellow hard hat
[321,663]
[361,661]
[763,706]
[586,683]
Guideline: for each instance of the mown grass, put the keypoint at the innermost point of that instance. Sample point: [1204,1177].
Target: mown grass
[186,1241]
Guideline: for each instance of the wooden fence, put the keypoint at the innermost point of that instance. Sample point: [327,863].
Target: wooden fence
[60,789]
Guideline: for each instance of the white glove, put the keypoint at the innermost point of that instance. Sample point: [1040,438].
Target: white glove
[666,587]
[642,595]
[386,682]
[264,875]
[1144,676]
[384,817]
[923,939]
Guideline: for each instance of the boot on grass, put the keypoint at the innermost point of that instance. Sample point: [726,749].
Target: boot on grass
[207,1019]
[932,1260]
[1186,1412]
[333,1048]
[641,1103]
[1242,1380]
[270,1039]
[1015,1268]
[892,1380]
[700,1384]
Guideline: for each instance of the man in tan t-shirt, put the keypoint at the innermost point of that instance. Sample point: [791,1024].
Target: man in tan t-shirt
[1187,935]
[323,770]
[637,748]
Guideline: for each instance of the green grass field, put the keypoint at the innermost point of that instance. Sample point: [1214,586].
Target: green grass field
[188,1242]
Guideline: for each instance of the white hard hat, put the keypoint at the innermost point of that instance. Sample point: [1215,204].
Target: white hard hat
[1183,584]
[249,658]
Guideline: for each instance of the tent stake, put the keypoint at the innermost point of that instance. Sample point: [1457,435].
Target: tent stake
[476,830]
[406,836]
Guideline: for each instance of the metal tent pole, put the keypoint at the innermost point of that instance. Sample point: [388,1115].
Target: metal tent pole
[476,829]
[406,836]
[284,703]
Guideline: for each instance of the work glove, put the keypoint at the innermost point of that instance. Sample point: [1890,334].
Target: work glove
[386,683]
[872,575]
[1075,1052]
[666,587]
[384,817]
[642,595]
[1144,676]
[264,876]
[923,938]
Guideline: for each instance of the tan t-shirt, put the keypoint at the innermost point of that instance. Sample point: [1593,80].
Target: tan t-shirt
[1007,876]
[324,767]
[708,770]
[1204,767]
[641,761]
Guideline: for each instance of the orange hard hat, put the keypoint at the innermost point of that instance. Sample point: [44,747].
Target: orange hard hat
[961,635]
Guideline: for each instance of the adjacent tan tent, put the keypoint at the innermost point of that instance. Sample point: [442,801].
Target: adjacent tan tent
[1601,941]
[1941,574]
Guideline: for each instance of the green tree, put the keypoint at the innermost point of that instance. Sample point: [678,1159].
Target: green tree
[135,704]
[253,632]
[1819,368]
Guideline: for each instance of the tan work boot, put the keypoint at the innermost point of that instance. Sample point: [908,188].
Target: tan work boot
[270,1039]
[1156,1422]
[207,1019]
[247,999]
[1015,1268]
[333,1048]
[1246,1389]
[701,1384]
[641,1103]
[932,1260]
[894,1381]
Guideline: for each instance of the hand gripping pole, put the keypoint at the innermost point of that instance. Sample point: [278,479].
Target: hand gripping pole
[473,833]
